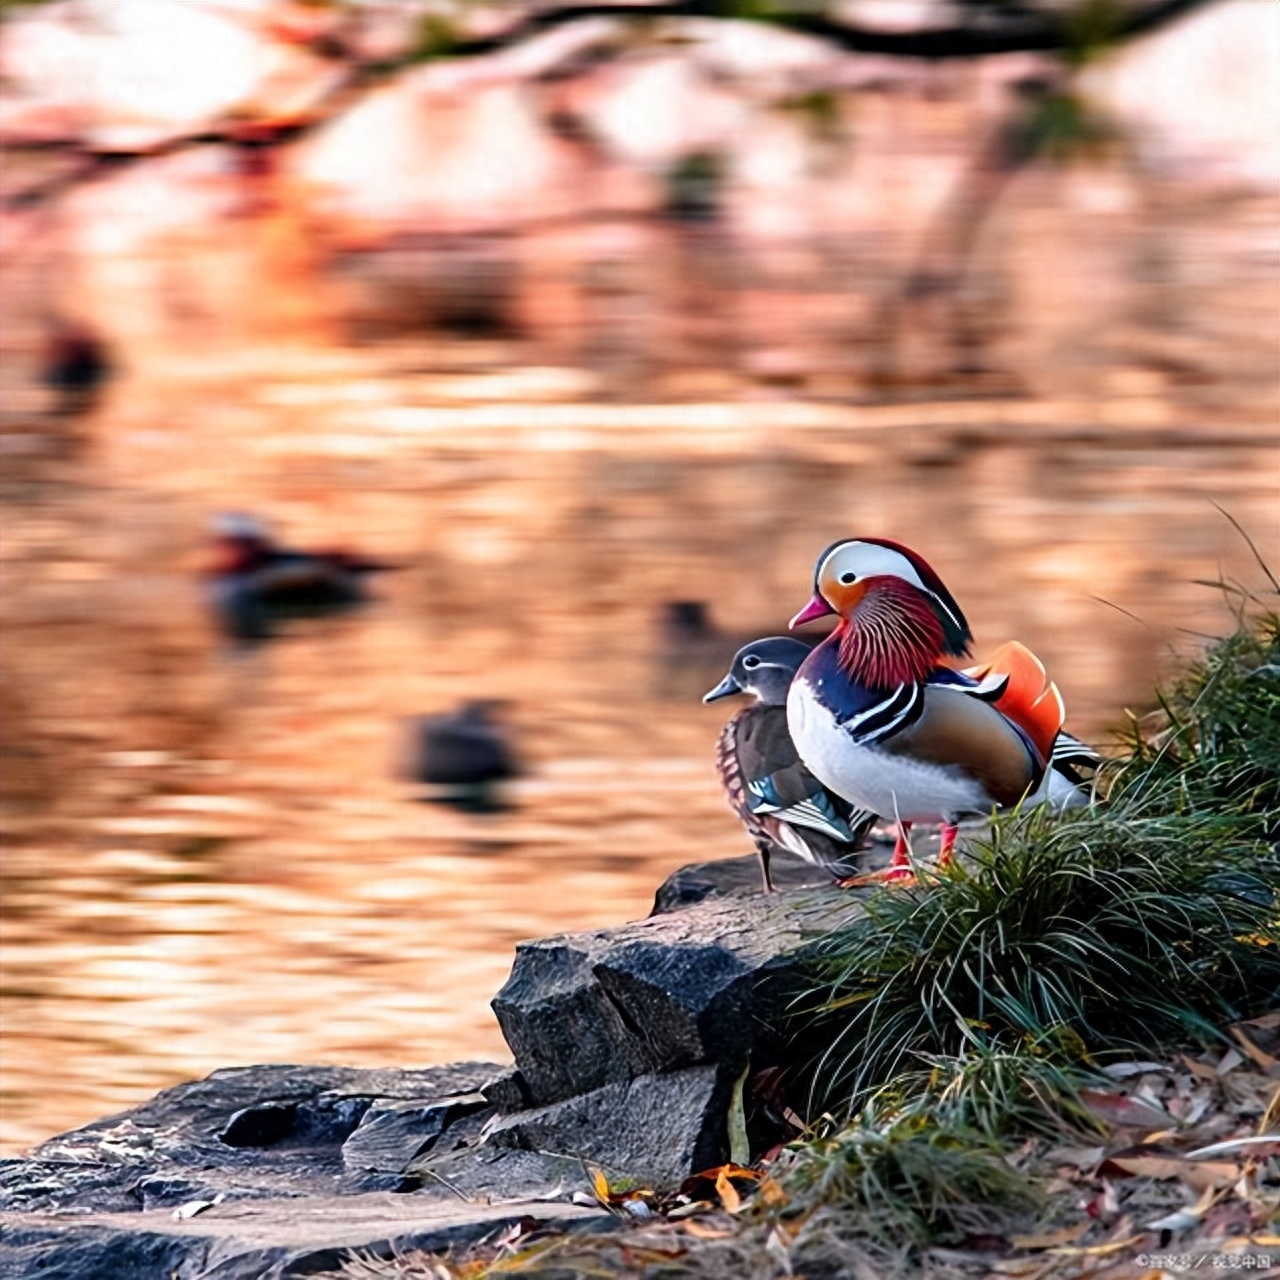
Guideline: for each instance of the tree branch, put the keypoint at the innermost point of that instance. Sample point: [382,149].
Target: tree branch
[993,32]
[989,32]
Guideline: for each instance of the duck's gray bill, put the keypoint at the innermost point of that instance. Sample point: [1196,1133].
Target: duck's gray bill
[726,687]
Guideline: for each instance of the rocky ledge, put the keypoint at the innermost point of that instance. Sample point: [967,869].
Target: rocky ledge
[632,1047]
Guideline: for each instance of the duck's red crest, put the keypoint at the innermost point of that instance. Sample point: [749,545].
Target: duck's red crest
[892,637]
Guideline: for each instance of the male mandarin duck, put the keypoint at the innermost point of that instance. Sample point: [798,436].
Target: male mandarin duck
[254,582]
[880,719]
[782,805]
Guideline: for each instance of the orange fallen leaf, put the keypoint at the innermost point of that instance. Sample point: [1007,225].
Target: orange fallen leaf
[700,1231]
[728,1194]
[1151,1166]
[1050,1239]
[600,1184]
[771,1192]
[1209,1175]
[1259,1056]
[1096,1250]
[648,1253]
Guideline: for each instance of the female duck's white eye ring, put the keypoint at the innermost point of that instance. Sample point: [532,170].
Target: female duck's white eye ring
[848,579]
[751,661]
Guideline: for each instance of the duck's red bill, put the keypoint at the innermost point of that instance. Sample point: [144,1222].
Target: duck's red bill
[816,608]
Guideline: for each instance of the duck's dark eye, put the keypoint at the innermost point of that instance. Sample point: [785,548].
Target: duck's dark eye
[752,661]
[848,579]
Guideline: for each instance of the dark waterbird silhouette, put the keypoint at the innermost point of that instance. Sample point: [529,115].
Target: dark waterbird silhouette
[463,756]
[691,649]
[255,583]
[75,366]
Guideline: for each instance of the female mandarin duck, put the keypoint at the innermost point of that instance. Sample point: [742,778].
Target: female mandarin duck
[880,720]
[782,805]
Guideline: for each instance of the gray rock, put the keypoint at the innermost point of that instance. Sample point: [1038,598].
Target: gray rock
[262,1125]
[740,877]
[391,1133]
[289,1152]
[507,1091]
[262,1240]
[656,1129]
[486,1172]
[248,1132]
[710,983]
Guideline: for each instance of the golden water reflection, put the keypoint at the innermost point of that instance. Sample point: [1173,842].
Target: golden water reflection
[210,859]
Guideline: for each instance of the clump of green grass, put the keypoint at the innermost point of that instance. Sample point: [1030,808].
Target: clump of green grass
[1147,920]
[1218,749]
[995,1091]
[902,1176]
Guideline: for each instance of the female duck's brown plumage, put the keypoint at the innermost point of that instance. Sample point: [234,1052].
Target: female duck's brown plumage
[781,804]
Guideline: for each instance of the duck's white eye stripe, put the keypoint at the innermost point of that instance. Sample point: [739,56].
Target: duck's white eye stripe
[869,560]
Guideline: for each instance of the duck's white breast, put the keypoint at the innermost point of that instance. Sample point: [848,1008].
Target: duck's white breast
[894,786]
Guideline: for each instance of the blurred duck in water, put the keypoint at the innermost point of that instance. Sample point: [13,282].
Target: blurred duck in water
[691,648]
[255,583]
[781,804]
[463,757]
[74,366]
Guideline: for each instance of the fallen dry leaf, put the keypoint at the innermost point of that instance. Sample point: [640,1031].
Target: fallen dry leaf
[1123,1070]
[771,1192]
[701,1231]
[728,1194]
[1120,1109]
[691,1209]
[1095,1250]
[1051,1239]
[1259,1146]
[1210,1175]
[649,1254]
[1230,1061]
[1016,1266]
[1148,1166]
[1078,1157]
[1259,1056]
[1202,1070]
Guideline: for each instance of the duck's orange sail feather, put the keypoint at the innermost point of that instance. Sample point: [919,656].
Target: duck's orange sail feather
[1031,700]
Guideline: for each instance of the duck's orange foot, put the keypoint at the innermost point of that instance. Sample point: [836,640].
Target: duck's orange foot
[902,876]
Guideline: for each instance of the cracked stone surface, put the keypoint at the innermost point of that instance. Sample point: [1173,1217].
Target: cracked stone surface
[628,1043]
[709,982]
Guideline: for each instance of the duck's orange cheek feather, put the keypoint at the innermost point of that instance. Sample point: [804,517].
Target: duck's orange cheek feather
[845,598]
